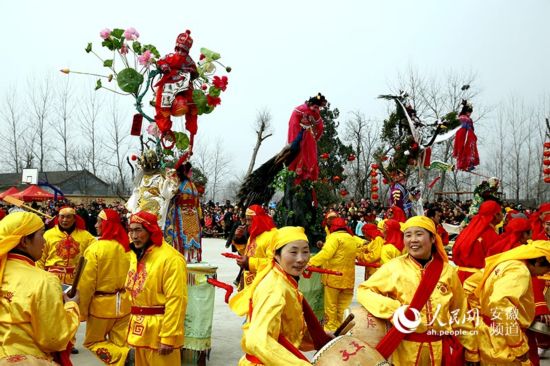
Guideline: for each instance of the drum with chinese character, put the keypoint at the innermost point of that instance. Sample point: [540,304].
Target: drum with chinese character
[199,315]
[368,328]
[349,351]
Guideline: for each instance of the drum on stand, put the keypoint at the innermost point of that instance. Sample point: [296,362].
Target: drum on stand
[199,315]
[349,351]
[368,328]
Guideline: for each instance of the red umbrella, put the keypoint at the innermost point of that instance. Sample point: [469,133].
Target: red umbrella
[33,193]
[8,192]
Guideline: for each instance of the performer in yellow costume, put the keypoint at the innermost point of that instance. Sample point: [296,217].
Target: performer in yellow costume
[157,283]
[34,322]
[338,254]
[393,241]
[276,321]
[65,244]
[507,304]
[104,303]
[424,281]
[371,253]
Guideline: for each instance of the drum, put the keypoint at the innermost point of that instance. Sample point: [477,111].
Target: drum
[367,327]
[199,315]
[540,327]
[348,351]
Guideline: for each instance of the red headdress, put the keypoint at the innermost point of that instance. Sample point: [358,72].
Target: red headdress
[66,210]
[479,223]
[510,238]
[537,224]
[184,41]
[261,221]
[330,214]
[339,224]
[394,235]
[111,228]
[398,214]
[371,231]
[149,222]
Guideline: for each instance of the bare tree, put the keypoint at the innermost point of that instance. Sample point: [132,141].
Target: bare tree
[215,163]
[62,123]
[116,148]
[89,116]
[11,136]
[40,98]
[262,127]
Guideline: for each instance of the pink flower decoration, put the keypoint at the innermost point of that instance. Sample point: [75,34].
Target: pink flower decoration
[123,49]
[153,130]
[105,33]
[131,34]
[144,58]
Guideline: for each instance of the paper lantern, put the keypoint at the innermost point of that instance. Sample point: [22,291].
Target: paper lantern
[547,180]
[547,145]
[546,162]
[374,166]
[374,196]
[546,170]
[373,173]
[343,192]
[374,189]
[385,181]
[336,179]
[351,157]
[374,181]
[546,153]
[325,156]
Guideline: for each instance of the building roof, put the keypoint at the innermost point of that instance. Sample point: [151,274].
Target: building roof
[53,178]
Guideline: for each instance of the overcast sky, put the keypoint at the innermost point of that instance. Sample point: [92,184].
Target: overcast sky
[283,51]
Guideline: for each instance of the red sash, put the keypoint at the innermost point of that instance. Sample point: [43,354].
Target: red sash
[429,280]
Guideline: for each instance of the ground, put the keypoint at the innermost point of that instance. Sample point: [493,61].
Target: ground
[226,330]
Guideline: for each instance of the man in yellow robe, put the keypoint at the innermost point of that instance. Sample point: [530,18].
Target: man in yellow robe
[395,284]
[104,303]
[65,244]
[338,254]
[157,284]
[34,322]
[505,296]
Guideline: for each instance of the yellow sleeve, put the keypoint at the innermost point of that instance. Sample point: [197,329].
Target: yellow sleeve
[374,294]
[330,247]
[53,323]
[466,336]
[256,264]
[371,252]
[88,282]
[470,286]
[264,330]
[41,263]
[88,240]
[388,252]
[508,289]
[174,286]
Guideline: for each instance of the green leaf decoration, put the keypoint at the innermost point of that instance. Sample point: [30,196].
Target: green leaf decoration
[108,43]
[117,44]
[151,48]
[98,84]
[117,33]
[200,100]
[210,54]
[129,80]
[136,46]
[108,63]
[215,92]
[182,141]
[168,152]
[89,48]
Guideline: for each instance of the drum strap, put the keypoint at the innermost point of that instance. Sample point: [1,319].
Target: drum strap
[315,328]
[286,344]
[429,280]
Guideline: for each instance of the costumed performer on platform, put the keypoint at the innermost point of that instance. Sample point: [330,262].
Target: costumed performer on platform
[157,283]
[104,303]
[473,243]
[279,322]
[465,146]
[183,227]
[424,281]
[34,321]
[338,254]
[306,117]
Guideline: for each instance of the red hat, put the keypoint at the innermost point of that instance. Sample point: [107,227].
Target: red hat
[149,222]
[394,235]
[371,231]
[339,224]
[511,236]
[261,221]
[111,228]
[184,41]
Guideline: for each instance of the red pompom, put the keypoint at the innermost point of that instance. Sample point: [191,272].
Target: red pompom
[133,158]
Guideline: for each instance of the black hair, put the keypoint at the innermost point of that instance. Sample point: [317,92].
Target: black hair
[542,261]
[466,108]
[432,210]
[183,170]
[318,100]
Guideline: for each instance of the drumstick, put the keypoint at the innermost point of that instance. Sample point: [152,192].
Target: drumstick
[14,201]
[343,325]
[348,328]
[78,272]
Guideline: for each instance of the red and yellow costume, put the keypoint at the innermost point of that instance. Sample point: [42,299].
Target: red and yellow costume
[63,249]
[393,243]
[34,322]
[465,145]
[338,254]
[157,284]
[104,303]
[473,243]
[371,253]
[537,220]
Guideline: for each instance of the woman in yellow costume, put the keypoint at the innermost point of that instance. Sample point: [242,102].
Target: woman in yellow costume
[34,321]
[277,317]
[423,288]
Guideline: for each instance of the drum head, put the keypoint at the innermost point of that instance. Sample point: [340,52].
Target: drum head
[348,351]
[540,327]
[367,327]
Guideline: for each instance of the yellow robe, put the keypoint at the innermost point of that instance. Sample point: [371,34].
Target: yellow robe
[389,252]
[159,279]
[33,319]
[508,295]
[394,285]
[259,252]
[277,310]
[62,252]
[371,253]
[104,303]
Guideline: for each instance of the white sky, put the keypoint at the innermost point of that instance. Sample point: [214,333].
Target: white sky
[284,51]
